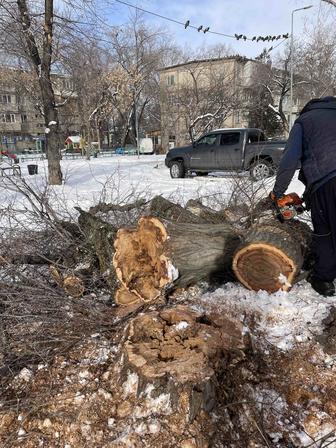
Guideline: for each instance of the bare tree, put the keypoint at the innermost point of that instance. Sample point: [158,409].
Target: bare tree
[87,64]
[203,98]
[33,35]
[39,55]
[138,52]
[317,60]
[268,101]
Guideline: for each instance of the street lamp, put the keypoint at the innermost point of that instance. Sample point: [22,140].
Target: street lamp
[292,60]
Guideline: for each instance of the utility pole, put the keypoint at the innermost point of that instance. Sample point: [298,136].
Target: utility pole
[292,62]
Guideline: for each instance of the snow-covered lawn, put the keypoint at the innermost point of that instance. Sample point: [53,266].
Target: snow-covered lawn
[119,178]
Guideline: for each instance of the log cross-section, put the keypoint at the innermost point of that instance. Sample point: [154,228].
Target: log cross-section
[139,262]
[160,253]
[272,255]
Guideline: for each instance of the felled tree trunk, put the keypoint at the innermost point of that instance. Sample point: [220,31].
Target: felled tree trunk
[100,236]
[159,254]
[174,358]
[204,213]
[272,255]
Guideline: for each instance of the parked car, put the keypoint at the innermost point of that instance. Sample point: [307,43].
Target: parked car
[227,150]
[12,158]
[146,146]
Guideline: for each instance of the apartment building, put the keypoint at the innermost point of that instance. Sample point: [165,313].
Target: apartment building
[22,125]
[201,95]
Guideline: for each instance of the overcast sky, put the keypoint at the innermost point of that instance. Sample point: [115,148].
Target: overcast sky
[249,17]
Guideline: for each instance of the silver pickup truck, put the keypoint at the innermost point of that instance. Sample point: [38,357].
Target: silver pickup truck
[227,150]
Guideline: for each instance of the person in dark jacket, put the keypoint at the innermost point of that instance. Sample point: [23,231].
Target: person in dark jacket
[312,145]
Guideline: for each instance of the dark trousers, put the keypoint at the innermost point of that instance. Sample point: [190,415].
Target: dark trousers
[323,213]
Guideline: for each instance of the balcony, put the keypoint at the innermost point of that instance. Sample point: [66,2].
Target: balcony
[10,127]
[9,108]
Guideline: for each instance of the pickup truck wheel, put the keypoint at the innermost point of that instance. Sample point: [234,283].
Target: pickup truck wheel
[261,169]
[177,170]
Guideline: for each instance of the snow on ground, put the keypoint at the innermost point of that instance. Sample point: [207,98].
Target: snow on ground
[285,318]
[121,178]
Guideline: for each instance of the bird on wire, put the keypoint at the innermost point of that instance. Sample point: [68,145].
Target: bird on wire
[206,29]
[199,28]
[186,24]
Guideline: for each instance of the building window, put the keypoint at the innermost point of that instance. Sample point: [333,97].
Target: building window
[67,84]
[23,118]
[5,99]
[8,118]
[172,100]
[170,80]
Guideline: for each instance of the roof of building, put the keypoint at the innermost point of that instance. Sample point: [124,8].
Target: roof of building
[73,139]
[236,57]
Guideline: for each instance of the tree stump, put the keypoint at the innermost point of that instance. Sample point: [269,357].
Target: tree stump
[272,255]
[174,357]
[159,254]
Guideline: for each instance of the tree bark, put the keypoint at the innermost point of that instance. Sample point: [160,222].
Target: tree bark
[161,254]
[42,66]
[100,236]
[204,213]
[272,255]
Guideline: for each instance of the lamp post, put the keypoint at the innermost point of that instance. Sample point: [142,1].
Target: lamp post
[292,61]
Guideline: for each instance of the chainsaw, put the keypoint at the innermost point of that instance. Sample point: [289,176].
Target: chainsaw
[288,206]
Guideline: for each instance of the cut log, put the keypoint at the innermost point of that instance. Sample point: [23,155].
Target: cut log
[72,285]
[176,357]
[204,213]
[163,208]
[159,254]
[100,236]
[272,255]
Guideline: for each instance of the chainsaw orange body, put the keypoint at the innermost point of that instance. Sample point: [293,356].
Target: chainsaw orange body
[288,206]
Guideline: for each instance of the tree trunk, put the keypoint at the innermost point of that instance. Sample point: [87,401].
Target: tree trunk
[52,143]
[272,255]
[176,357]
[42,66]
[100,235]
[159,254]
[204,213]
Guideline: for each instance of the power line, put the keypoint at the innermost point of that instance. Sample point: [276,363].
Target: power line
[207,29]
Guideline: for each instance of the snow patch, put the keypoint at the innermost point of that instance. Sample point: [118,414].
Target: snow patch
[130,386]
[284,318]
[182,325]
[172,272]
[284,280]
[159,404]
[25,374]
[110,422]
